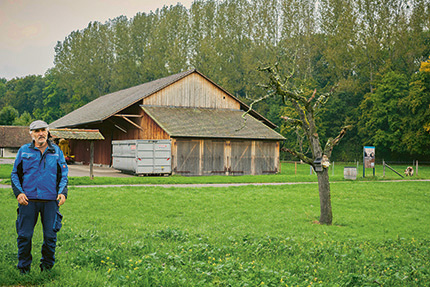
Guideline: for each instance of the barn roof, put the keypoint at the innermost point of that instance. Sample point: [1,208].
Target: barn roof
[14,136]
[108,105]
[105,106]
[77,134]
[209,123]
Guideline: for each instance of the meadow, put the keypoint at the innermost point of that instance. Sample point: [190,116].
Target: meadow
[232,236]
[289,172]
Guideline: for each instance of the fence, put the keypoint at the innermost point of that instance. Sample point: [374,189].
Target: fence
[383,168]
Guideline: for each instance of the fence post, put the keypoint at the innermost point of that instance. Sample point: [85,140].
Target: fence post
[416,169]
[333,169]
[383,164]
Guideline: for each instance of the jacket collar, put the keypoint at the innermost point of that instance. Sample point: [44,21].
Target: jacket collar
[50,147]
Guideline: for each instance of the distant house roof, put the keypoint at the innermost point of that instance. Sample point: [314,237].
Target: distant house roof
[209,123]
[77,134]
[14,136]
[108,105]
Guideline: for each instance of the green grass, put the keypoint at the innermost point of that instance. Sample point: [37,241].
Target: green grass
[235,236]
[288,173]
[5,170]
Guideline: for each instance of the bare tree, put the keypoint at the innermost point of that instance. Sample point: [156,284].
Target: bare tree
[306,109]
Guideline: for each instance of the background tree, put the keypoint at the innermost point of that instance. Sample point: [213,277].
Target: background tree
[416,124]
[382,114]
[8,114]
[24,120]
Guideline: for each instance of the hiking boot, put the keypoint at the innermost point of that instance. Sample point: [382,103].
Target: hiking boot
[44,267]
[24,271]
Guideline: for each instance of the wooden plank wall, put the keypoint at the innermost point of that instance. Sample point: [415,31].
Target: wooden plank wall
[224,157]
[116,128]
[193,91]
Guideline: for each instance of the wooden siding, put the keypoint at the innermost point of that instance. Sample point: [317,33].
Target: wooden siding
[149,129]
[193,91]
[224,157]
[117,128]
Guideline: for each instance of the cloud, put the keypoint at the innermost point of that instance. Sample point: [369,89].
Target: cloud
[30,29]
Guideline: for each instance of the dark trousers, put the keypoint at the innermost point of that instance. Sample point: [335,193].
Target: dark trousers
[27,219]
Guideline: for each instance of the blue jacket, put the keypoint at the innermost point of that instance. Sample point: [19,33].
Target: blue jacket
[40,176]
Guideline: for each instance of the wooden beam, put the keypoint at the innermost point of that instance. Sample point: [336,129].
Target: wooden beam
[253,155]
[131,122]
[201,156]
[120,128]
[129,116]
[91,159]
[117,126]
[227,157]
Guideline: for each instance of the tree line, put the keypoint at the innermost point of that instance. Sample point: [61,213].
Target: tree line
[375,51]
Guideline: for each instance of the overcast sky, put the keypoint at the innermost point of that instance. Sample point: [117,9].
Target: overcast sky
[30,29]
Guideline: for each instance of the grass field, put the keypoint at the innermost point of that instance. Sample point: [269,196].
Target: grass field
[289,173]
[233,236]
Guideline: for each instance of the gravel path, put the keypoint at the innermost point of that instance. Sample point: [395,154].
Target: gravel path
[218,184]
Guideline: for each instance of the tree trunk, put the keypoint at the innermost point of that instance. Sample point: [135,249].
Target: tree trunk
[326,216]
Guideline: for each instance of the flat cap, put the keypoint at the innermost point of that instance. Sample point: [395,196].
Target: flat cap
[38,125]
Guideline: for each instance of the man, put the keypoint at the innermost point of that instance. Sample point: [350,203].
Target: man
[39,182]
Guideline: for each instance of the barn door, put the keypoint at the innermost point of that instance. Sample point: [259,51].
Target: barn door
[265,161]
[188,161]
[241,157]
[213,157]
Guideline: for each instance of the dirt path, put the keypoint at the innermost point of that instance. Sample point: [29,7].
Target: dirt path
[220,184]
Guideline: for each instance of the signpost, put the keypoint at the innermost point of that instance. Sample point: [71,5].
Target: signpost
[368,159]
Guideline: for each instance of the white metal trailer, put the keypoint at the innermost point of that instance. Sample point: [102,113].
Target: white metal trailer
[142,156]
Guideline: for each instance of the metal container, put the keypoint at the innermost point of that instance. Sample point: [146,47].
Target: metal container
[142,156]
[350,172]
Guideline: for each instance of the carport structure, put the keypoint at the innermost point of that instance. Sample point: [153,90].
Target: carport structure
[81,135]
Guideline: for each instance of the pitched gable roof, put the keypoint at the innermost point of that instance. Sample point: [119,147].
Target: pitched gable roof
[209,123]
[105,106]
[108,105]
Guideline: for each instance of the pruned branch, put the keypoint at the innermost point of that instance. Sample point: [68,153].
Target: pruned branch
[313,96]
[331,143]
[281,89]
[292,122]
[250,109]
[322,99]
[299,155]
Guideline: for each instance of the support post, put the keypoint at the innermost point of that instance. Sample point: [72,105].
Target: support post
[201,156]
[91,159]
[416,168]
[383,168]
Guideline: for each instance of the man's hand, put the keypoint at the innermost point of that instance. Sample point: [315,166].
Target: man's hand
[61,198]
[22,199]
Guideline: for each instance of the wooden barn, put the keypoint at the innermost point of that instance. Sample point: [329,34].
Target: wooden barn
[204,123]
[12,138]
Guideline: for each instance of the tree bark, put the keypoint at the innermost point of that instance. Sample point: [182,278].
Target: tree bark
[326,216]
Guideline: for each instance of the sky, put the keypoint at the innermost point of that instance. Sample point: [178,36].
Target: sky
[30,29]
